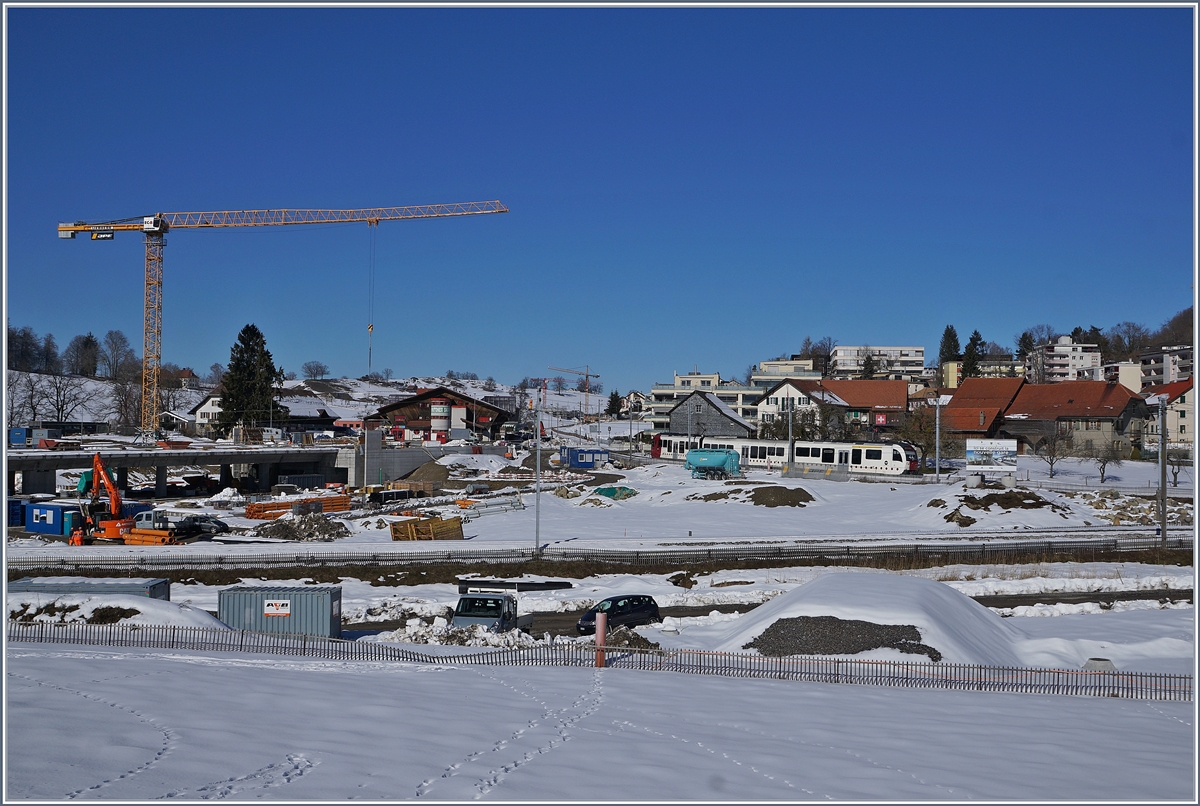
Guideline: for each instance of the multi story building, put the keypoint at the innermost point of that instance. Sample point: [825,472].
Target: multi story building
[990,366]
[1064,360]
[663,396]
[1166,364]
[899,363]
[1181,420]
[1126,373]
[768,373]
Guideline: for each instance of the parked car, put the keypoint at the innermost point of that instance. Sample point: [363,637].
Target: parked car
[207,523]
[622,611]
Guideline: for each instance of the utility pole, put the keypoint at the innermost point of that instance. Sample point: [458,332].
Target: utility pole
[537,484]
[1162,468]
[791,442]
[937,440]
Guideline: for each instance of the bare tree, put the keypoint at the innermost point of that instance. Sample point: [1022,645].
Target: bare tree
[215,373]
[114,352]
[823,352]
[22,398]
[63,395]
[920,429]
[314,370]
[558,383]
[1042,334]
[1054,444]
[1127,338]
[1103,453]
[125,401]
[1177,460]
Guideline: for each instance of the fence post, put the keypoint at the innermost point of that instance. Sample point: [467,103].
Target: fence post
[601,628]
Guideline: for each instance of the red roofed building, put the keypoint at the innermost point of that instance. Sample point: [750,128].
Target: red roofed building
[978,406]
[872,405]
[1092,413]
[1181,419]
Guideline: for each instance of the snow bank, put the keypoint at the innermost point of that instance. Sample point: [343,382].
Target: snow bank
[150,611]
[963,630]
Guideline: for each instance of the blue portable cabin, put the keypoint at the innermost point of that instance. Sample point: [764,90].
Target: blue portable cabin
[18,437]
[47,518]
[585,458]
[16,512]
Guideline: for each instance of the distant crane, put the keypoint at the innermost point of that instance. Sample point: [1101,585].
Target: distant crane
[587,376]
[155,227]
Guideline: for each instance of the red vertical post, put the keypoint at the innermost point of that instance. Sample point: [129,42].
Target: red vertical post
[601,629]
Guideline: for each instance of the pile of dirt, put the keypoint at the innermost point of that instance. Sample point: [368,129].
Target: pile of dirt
[625,638]
[958,517]
[829,635]
[563,491]
[312,528]
[780,496]
[717,496]
[1011,499]
[682,580]
[52,609]
[111,615]
[430,471]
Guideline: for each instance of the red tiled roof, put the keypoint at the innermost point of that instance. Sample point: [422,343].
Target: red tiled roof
[1050,401]
[985,393]
[876,395]
[1171,390]
[964,419]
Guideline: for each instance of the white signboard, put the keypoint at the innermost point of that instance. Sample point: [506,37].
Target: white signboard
[991,455]
[277,607]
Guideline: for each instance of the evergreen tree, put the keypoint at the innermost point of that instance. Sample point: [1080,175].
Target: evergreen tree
[949,349]
[614,404]
[1025,345]
[971,356]
[249,383]
[869,367]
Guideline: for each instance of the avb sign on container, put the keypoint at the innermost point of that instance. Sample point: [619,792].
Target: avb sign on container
[991,455]
[277,607]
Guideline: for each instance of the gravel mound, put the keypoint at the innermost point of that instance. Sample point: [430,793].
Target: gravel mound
[430,471]
[829,635]
[311,528]
[780,496]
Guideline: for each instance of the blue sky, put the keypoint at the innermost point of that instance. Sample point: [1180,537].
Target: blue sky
[688,187]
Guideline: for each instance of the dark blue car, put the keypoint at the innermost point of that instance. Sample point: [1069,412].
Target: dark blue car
[622,611]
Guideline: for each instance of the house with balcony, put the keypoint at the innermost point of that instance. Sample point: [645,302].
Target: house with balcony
[1063,360]
[891,362]
[1181,413]
[768,373]
[739,397]
[1166,364]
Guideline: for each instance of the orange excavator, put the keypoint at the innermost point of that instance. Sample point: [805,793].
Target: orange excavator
[101,521]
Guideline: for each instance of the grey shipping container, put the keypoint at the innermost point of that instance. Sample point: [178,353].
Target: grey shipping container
[151,588]
[307,481]
[307,610]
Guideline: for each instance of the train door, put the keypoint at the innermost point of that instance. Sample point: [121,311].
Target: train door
[843,457]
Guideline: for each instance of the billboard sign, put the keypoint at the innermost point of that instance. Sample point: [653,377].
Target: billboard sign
[991,456]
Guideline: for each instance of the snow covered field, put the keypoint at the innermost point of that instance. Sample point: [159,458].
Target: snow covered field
[134,724]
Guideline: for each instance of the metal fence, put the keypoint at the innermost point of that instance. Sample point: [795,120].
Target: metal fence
[979,548]
[1150,489]
[960,677]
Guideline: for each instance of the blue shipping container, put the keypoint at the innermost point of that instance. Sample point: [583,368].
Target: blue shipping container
[18,437]
[46,519]
[308,610]
[585,458]
[16,512]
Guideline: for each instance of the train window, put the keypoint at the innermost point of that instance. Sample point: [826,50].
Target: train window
[856,456]
[801,451]
[874,454]
[896,457]
[827,455]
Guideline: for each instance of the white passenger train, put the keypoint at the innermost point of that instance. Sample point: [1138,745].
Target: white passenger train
[874,458]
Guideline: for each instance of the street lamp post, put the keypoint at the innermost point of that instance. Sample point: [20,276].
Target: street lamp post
[937,439]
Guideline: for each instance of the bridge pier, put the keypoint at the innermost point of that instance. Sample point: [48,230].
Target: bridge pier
[123,480]
[226,476]
[38,481]
[160,481]
[263,472]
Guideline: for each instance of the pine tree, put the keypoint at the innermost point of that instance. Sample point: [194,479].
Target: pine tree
[869,367]
[949,349]
[249,383]
[971,356]
[614,404]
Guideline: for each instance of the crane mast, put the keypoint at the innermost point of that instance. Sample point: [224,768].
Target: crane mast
[155,228]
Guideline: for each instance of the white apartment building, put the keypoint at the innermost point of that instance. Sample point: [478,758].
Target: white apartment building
[1166,364]
[664,396]
[1064,360]
[1126,373]
[900,362]
[768,373]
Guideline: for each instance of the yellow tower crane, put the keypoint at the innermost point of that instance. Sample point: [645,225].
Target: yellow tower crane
[155,227]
